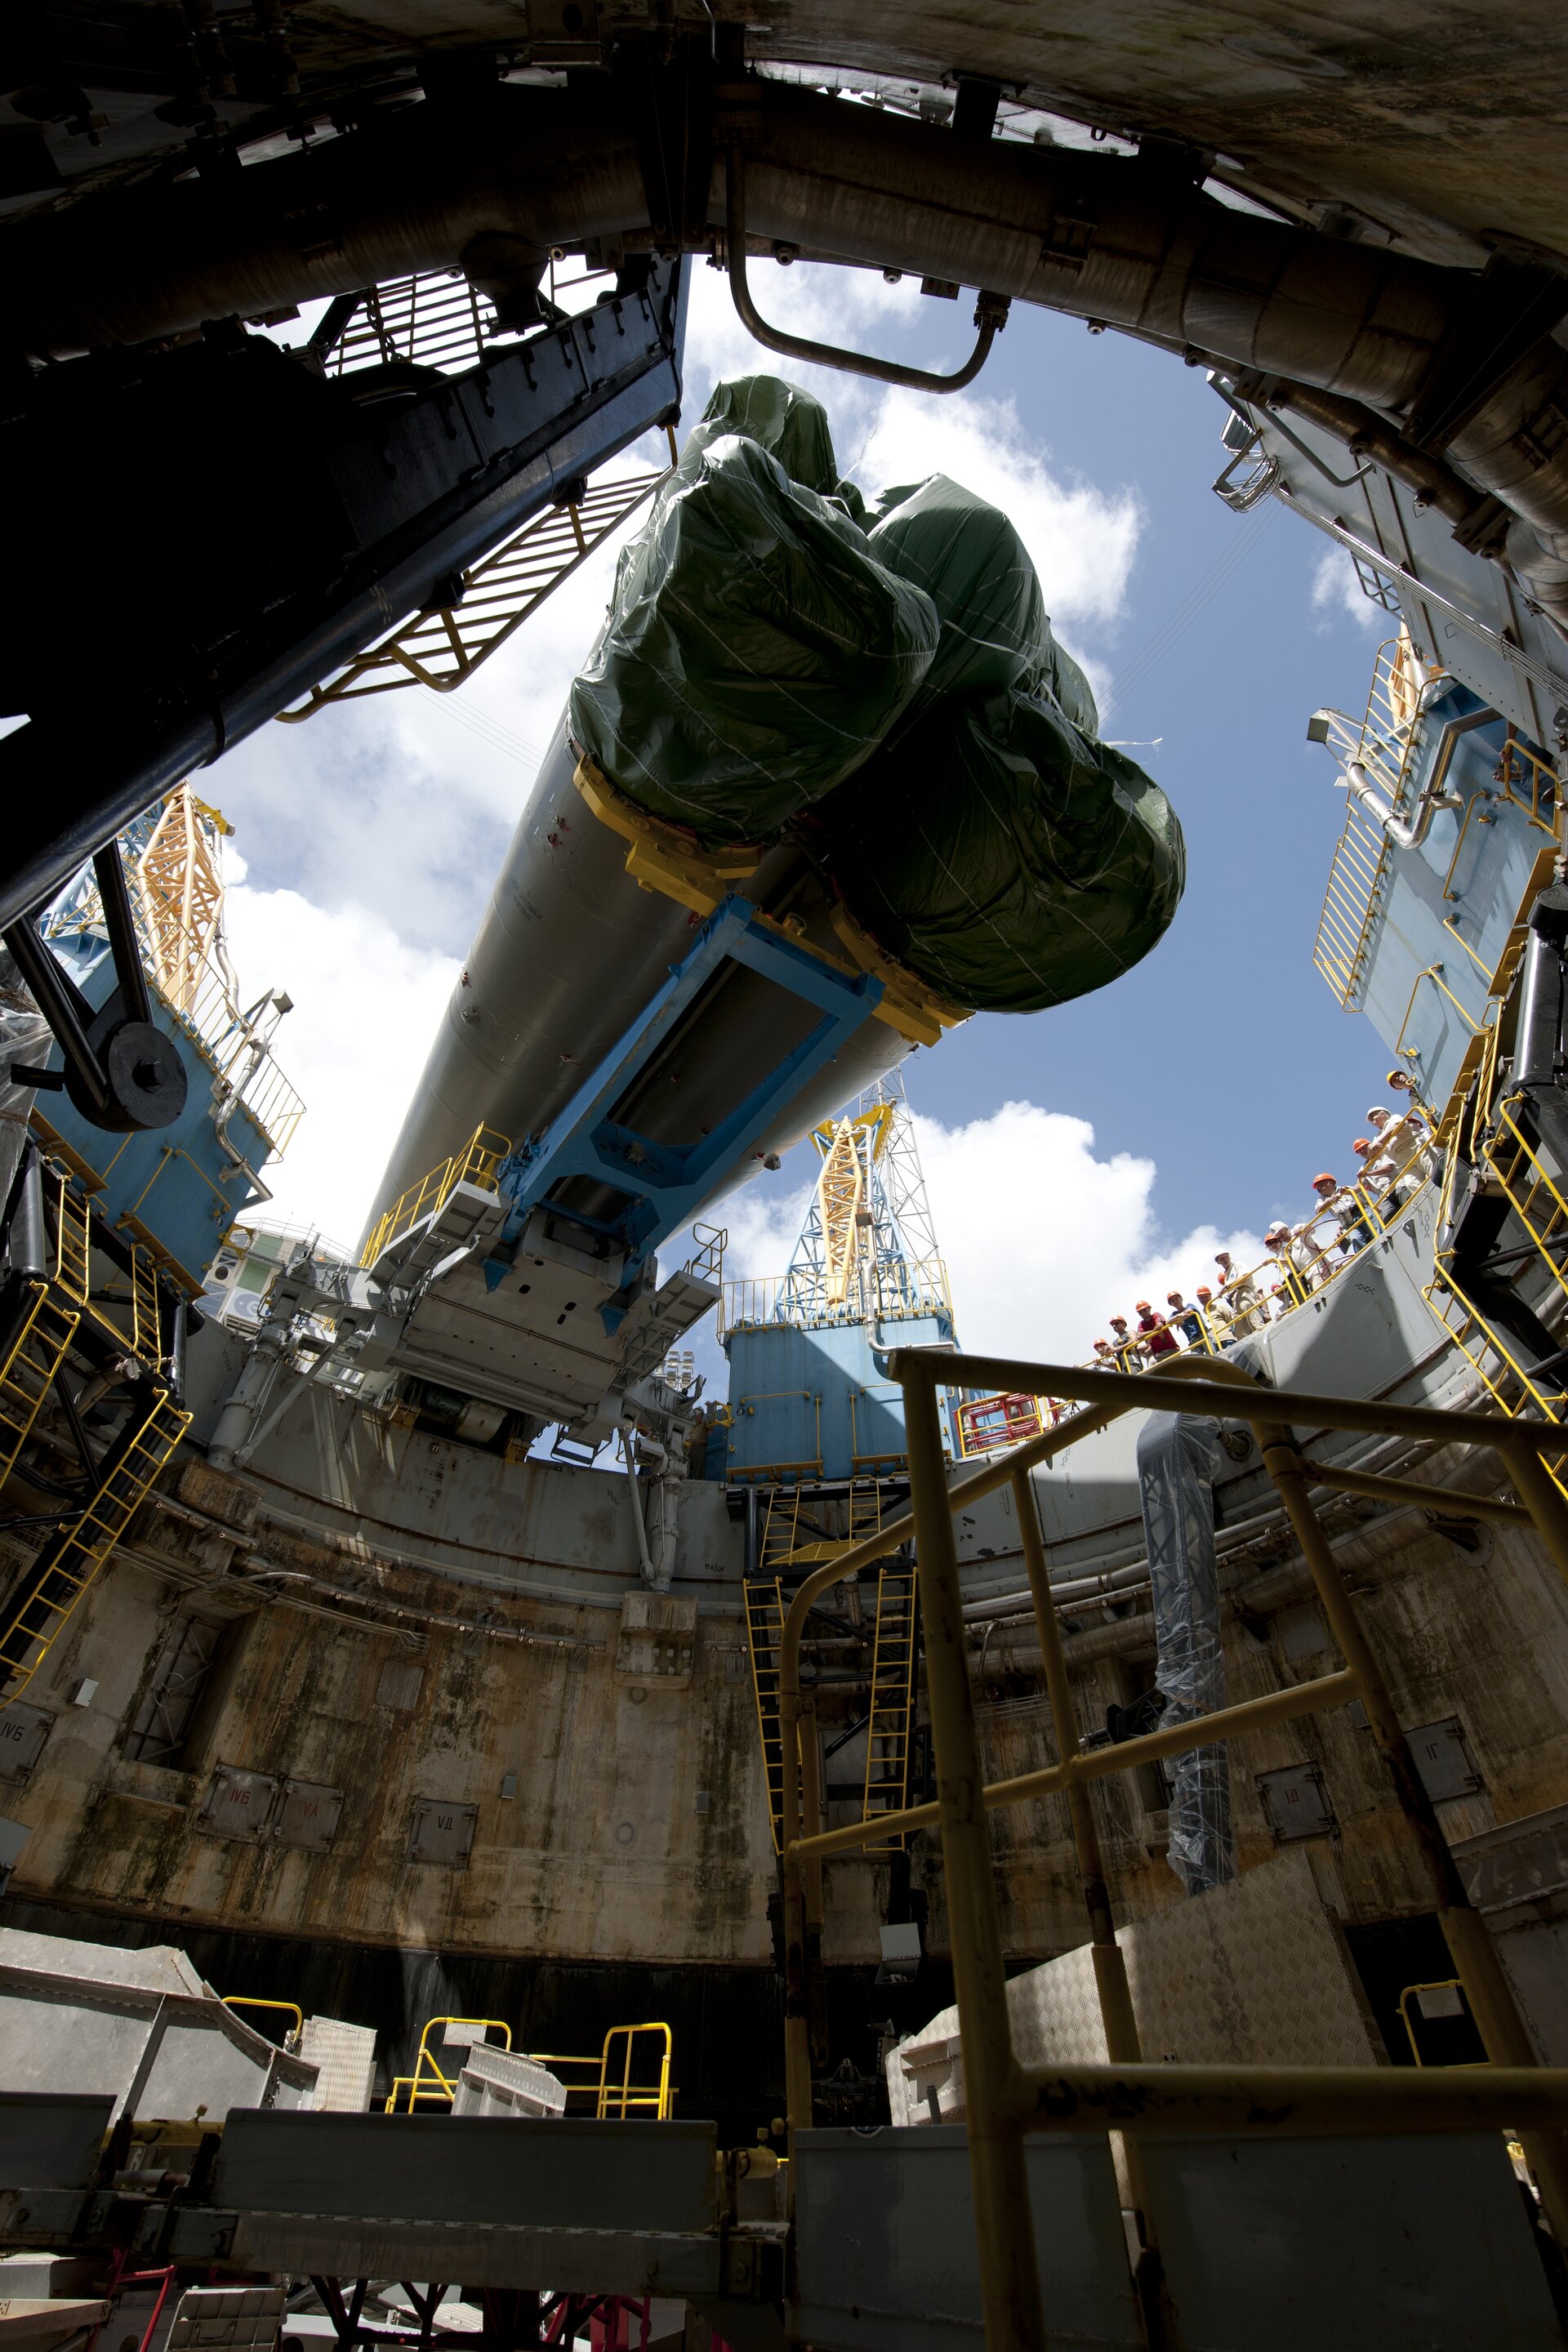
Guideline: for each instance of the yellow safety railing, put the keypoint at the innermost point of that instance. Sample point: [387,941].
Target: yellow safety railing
[427,2082]
[917,1286]
[707,1259]
[614,2101]
[43,1334]
[256,2000]
[1442,1984]
[613,2097]
[1521,766]
[1279,1283]
[619,2099]
[478,1163]
[1006,2100]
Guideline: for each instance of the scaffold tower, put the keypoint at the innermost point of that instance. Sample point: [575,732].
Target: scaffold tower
[868,1248]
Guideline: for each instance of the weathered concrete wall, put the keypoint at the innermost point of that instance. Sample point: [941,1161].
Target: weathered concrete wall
[637,1829]
[1482,1637]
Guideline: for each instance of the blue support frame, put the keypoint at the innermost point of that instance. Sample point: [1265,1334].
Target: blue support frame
[665,1183]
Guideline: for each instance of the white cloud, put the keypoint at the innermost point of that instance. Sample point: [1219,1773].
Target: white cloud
[1082,538]
[853,309]
[1336,592]
[366,1010]
[1042,1240]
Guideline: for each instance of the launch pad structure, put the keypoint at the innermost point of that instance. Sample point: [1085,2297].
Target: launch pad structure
[392,1631]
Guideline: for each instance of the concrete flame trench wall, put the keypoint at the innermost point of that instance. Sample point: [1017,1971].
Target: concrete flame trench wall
[610,1814]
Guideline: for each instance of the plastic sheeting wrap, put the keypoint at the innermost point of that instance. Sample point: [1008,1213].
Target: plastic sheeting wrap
[1178,1460]
[971,563]
[994,845]
[24,1037]
[1010,860]
[782,419]
[755,651]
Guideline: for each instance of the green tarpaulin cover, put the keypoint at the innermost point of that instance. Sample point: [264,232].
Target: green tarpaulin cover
[1010,860]
[755,650]
[782,419]
[970,561]
[992,844]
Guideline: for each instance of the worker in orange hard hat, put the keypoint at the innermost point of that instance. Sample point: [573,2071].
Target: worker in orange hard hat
[1339,1203]
[1188,1320]
[1217,1317]
[1158,1337]
[1129,1353]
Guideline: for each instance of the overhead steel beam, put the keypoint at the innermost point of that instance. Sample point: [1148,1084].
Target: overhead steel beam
[177,637]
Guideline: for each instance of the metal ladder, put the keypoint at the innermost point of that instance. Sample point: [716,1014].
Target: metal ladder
[864,1509]
[29,1369]
[146,1332]
[781,1522]
[51,1588]
[70,1266]
[891,1716]
[765,1631]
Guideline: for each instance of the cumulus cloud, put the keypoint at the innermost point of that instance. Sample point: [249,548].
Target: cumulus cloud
[365,1009]
[1082,537]
[1338,594]
[1043,1241]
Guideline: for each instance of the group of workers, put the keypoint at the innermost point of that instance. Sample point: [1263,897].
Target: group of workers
[1396,1158]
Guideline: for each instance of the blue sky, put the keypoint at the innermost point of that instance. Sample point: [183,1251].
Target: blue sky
[1196,1098]
[1222,1055]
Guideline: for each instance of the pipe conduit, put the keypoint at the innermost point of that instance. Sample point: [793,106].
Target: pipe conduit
[1132,244]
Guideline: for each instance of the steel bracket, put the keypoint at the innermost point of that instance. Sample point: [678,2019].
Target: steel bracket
[662,1185]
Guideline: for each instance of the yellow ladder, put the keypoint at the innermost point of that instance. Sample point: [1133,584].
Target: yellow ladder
[779,1523]
[146,1336]
[765,1631]
[864,1509]
[892,1705]
[28,1371]
[67,1564]
[70,1268]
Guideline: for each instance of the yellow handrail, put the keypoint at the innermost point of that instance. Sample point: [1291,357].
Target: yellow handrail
[255,2000]
[611,2099]
[1439,1984]
[417,2084]
[1004,2099]
[477,1164]
[620,2099]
